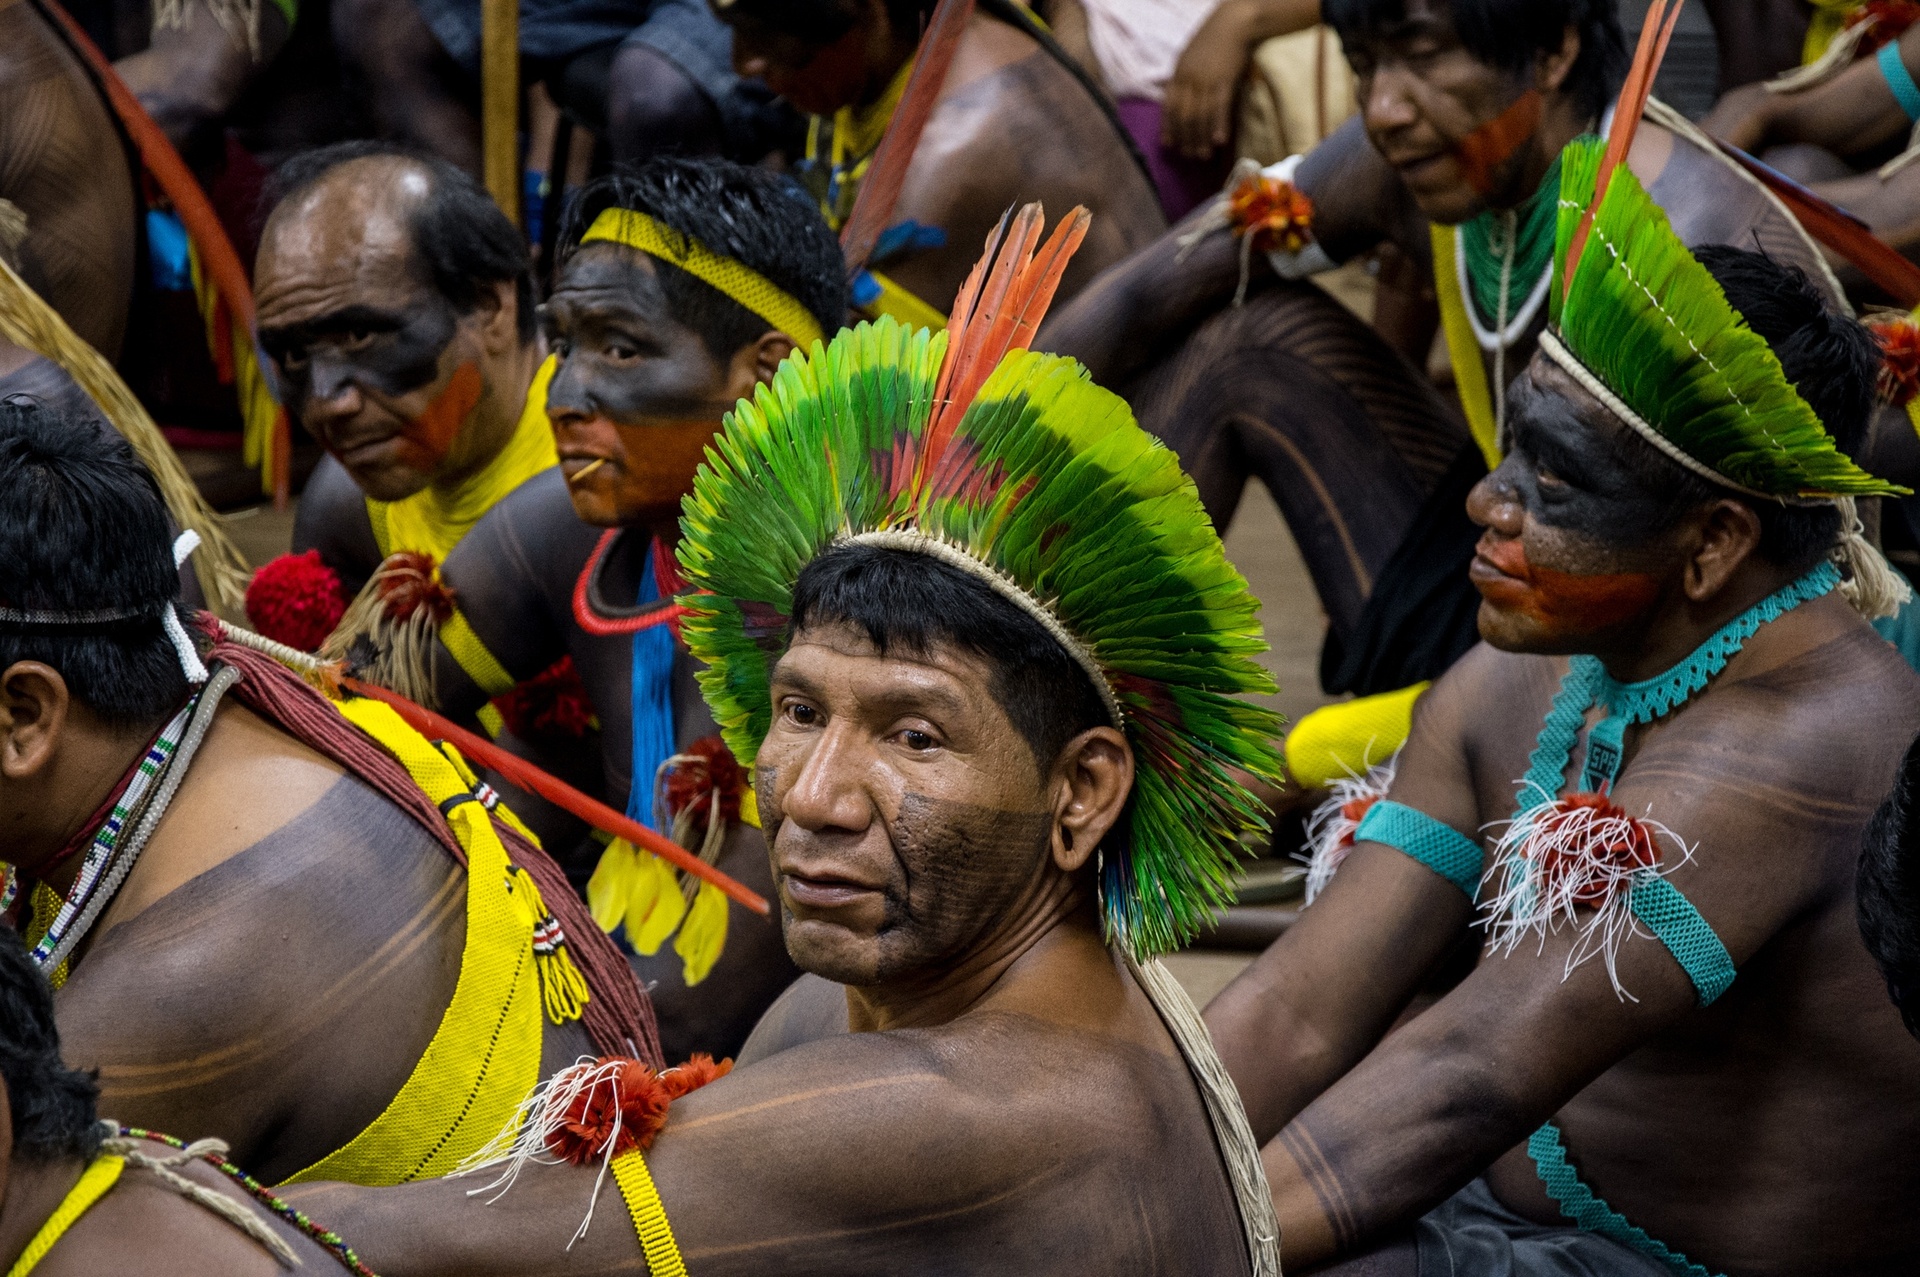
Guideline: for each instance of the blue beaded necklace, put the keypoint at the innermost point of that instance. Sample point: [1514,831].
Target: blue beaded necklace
[1587,684]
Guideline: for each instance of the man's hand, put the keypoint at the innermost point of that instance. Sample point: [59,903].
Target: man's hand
[1198,111]
[1743,117]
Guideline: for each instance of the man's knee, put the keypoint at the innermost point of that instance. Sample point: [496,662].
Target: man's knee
[655,108]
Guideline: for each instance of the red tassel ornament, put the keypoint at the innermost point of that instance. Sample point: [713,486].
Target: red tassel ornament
[1572,863]
[1274,216]
[1899,338]
[296,599]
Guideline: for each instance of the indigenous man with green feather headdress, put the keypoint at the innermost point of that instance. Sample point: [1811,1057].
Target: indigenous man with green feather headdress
[1648,790]
[973,626]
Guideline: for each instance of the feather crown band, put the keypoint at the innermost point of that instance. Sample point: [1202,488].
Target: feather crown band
[968,447]
[1637,319]
[749,287]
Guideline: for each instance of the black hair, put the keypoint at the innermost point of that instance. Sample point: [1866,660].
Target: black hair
[1831,359]
[1888,887]
[83,528]
[764,221]
[1511,34]
[821,22]
[911,602]
[53,1106]
[463,242]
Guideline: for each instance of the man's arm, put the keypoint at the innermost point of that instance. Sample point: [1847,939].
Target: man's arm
[332,518]
[1326,991]
[1136,309]
[1469,1079]
[1851,114]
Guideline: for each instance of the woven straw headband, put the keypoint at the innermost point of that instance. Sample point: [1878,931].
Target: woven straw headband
[1569,363]
[1007,588]
[748,287]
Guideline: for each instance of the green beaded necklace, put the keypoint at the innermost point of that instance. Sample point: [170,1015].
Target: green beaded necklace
[1507,251]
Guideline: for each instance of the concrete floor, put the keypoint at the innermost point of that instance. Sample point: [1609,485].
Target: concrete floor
[1258,542]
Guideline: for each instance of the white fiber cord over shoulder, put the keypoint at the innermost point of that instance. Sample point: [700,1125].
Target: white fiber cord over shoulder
[1231,1130]
[190,663]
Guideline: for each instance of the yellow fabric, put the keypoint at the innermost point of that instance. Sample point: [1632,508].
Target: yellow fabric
[902,305]
[748,287]
[649,1216]
[258,408]
[485,1056]
[102,1174]
[1463,348]
[1829,19]
[46,907]
[482,666]
[703,935]
[427,523]
[1338,741]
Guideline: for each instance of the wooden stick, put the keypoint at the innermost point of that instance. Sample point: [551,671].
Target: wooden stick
[500,103]
[586,470]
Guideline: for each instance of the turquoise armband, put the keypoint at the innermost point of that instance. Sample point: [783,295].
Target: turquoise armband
[1693,943]
[1900,80]
[1439,847]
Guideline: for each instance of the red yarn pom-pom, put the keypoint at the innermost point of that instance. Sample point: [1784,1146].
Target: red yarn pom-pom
[552,703]
[297,600]
[699,1070]
[627,1108]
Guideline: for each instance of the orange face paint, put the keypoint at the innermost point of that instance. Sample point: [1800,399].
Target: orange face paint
[1560,603]
[429,437]
[1482,152]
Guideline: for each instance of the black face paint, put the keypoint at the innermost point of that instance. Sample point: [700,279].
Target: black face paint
[622,353]
[389,352]
[1569,472]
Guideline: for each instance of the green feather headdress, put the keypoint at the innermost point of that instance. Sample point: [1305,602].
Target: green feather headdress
[1014,466]
[1645,327]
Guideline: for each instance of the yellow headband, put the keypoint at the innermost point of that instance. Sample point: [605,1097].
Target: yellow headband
[748,287]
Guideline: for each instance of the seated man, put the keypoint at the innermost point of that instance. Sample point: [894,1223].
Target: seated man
[986,813]
[1016,120]
[79,1196]
[396,302]
[680,289]
[1849,134]
[1674,1053]
[268,921]
[1465,106]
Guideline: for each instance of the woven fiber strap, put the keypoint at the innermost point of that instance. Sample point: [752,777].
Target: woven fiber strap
[1439,847]
[748,287]
[101,1174]
[1584,1207]
[1688,936]
[1900,80]
[649,1216]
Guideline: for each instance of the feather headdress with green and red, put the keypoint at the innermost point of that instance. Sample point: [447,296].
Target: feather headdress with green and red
[969,447]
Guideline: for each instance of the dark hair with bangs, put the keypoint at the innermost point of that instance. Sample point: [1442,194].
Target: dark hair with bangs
[53,1106]
[83,528]
[762,220]
[1831,359]
[1511,34]
[464,243]
[912,602]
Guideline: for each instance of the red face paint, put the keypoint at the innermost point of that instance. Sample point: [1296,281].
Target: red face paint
[429,437]
[1561,604]
[1482,152]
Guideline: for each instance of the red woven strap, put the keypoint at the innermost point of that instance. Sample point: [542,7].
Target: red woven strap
[619,1016]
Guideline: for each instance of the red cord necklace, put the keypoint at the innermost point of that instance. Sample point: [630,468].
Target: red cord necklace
[665,573]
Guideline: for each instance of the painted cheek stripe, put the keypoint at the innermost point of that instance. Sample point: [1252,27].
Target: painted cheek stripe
[1482,152]
[438,425]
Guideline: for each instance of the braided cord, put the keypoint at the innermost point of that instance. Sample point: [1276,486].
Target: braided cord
[331,1241]
[1579,1203]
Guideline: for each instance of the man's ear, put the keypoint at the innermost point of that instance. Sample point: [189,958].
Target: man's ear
[33,717]
[1729,533]
[1551,71]
[1092,780]
[498,314]
[755,363]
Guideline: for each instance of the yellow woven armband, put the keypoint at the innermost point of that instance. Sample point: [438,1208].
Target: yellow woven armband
[649,1216]
[482,666]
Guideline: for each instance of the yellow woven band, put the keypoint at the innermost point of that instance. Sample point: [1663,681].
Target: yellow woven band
[649,1216]
[748,287]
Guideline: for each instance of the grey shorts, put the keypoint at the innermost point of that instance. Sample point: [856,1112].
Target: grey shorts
[685,31]
[1472,1235]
